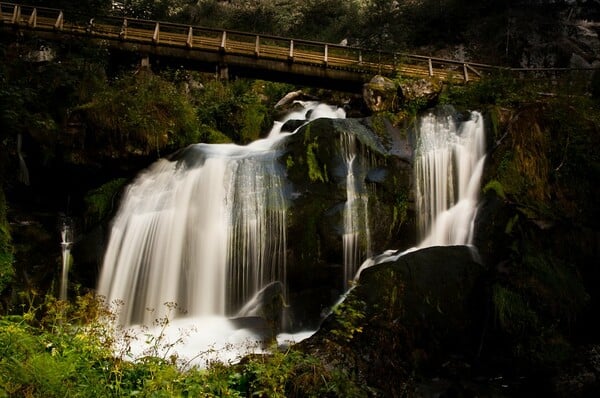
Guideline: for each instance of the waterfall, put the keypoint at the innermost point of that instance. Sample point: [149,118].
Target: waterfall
[356,219]
[205,229]
[66,234]
[23,170]
[448,166]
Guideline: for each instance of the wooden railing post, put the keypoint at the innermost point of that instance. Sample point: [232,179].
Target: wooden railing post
[430,65]
[360,61]
[156,35]
[465,73]
[33,18]
[291,54]
[257,46]
[190,38]
[223,41]
[326,55]
[16,17]
[59,21]
[123,32]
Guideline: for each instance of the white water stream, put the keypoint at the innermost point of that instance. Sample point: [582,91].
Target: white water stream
[66,235]
[356,215]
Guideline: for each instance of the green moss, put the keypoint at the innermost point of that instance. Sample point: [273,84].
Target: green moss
[314,170]
[496,187]
[213,136]
[400,208]
[494,122]
[512,311]
[289,162]
[511,224]
[101,201]
[254,115]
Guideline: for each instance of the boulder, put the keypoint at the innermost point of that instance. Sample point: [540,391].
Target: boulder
[380,94]
[421,308]
[317,173]
[426,90]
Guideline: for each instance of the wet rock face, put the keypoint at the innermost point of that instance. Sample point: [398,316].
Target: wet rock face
[317,175]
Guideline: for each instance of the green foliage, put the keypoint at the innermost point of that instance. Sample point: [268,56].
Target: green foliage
[59,349]
[400,209]
[349,318]
[101,201]
[292,373]
[236,109]
[142,111]
[7,270]
[512,311]
[500,88]
[151,9]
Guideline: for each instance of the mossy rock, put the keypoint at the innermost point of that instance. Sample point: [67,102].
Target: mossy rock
[403,315]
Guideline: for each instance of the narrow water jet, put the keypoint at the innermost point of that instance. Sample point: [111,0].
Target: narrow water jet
[66,235]
[356,236]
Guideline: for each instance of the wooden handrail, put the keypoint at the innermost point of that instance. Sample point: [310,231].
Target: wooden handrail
[245,44]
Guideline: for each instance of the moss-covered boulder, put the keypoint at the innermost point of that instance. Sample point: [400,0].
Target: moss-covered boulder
[380,94]
[317,158]
[405,315]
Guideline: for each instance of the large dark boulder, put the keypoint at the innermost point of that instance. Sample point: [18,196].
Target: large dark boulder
[404,315]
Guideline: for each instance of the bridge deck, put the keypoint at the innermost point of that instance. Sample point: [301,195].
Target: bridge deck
[257,55]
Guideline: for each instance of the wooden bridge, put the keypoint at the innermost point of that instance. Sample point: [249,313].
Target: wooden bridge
[236,53]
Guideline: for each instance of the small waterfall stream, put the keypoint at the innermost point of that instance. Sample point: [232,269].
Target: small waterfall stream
[448,165]
[356,215]
[66,235]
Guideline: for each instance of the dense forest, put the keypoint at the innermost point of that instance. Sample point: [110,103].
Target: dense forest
[76,129]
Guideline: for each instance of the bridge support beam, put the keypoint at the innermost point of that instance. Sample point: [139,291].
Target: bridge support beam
[145,62]
[222,72]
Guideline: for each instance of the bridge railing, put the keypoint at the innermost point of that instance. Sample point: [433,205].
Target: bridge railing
[322,54]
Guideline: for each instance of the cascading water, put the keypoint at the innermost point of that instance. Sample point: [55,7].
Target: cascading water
[206,230]
[66,234]
[448,166]
[356,219]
